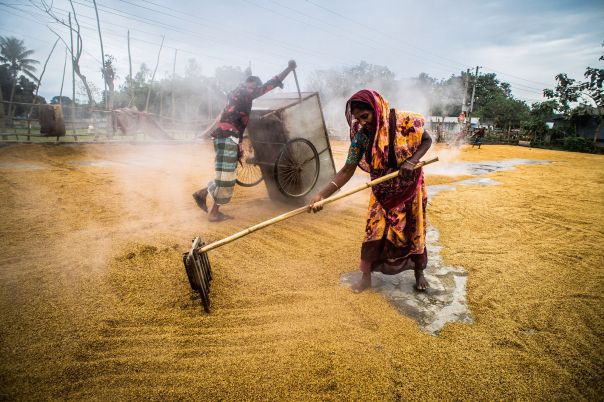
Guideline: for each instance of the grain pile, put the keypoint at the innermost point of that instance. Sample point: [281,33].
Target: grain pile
[95,304]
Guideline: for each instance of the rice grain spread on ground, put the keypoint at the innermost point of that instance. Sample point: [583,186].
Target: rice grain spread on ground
[95,304]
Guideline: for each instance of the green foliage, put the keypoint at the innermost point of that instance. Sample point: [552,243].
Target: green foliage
[15,56]
[64,100]
[569,91]
[578,144]
[540,112]
[494,101]
[15,69]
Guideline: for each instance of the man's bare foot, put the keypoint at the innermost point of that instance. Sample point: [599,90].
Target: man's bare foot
[421,283]
[363,284]
[200,199]
[218,217]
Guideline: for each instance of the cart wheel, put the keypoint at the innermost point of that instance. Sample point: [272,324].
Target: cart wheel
[297,168]
[248,173]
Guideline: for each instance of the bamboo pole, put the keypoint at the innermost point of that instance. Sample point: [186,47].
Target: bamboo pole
[161,101]
[31,109]
[73,61]
[172,85]
[305,208]
[98,24]
[63,80]
[297,85]
[154,71]
[131,90]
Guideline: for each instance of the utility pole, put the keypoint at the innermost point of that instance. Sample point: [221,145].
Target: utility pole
[464,108]
[472,101]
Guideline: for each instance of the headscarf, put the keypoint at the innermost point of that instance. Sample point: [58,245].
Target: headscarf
[396,137]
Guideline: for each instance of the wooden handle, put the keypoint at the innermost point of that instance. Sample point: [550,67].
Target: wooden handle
[305,208]
[297,85]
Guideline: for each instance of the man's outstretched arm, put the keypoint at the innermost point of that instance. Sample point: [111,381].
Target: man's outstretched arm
[277,80]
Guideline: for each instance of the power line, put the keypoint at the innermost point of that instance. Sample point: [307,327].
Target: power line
[424,50]
[336,32]
[39,22]
[155,23]
[220,28]
[149,21]
[141,40]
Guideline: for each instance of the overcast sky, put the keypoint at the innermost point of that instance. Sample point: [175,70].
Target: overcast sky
[525,42]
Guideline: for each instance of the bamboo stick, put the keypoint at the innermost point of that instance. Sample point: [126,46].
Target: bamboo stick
[98,24]
[154,71]
[297,85]
[130,75]
[63,80]
[73,89]
[303,209]
[35,101]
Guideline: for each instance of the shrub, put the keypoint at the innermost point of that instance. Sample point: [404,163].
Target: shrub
[578,144]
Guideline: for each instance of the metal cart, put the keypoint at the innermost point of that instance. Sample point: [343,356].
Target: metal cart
[286,146]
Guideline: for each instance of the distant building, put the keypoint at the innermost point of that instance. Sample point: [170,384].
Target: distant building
[585,127]
[448,124]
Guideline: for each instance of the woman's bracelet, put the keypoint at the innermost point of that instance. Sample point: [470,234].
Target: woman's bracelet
[334,183]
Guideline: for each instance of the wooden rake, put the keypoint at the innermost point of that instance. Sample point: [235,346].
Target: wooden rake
[197,263]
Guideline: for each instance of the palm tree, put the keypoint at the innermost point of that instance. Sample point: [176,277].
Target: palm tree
[14,55]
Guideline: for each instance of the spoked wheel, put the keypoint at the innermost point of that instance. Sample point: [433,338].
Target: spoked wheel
[297,168]
[248,173]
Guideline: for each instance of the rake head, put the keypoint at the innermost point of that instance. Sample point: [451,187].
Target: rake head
[199,272]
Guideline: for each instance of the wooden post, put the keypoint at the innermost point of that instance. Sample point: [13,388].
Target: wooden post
[98,24]
[131,90]
[31,109]
[209,100]
[4,137]
[154,71]
[172,89]
[161,101]
[73,103]
[63,80]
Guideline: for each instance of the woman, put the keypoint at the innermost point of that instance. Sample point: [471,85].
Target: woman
[384,140]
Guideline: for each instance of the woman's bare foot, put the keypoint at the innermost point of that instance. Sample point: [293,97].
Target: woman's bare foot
[363,283]
[421,283]
[218,217]
[200,198]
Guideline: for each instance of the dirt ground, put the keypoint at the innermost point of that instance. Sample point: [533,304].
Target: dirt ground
[95,303]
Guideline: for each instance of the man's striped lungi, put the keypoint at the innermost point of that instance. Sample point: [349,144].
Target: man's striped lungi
[221,188]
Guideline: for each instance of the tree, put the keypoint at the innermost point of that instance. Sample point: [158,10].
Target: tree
[108,72]
[15,56]
[76,54]
[539,114]
[64,100]
[569,90]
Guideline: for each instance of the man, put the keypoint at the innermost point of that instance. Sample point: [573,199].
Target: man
[478,135]
[226,133]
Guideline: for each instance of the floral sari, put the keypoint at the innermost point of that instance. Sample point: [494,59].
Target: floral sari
[396,223]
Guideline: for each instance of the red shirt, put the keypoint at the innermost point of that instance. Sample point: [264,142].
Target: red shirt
[236,114]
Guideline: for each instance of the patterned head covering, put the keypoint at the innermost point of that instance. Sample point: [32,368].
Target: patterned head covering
[404,136]
[397,136]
